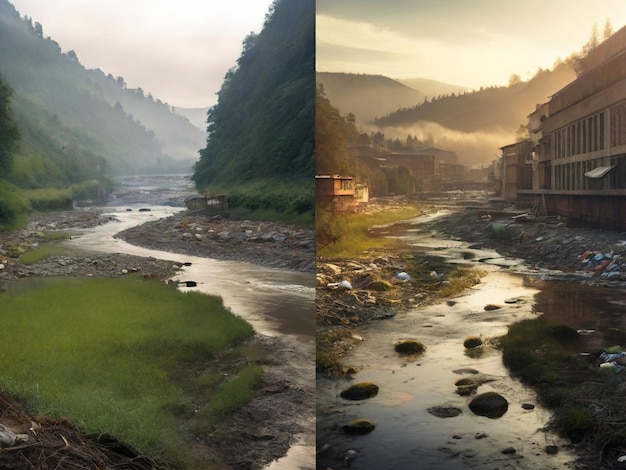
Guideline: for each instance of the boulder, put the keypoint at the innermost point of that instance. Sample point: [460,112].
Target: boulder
[472,342]
[489,404]
[409,346]
[360,391]
[445,411]
[359,426]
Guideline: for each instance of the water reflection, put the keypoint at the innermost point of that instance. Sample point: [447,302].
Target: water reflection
[584,307]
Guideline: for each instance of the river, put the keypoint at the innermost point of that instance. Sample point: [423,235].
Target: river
[407,436]
[275,302]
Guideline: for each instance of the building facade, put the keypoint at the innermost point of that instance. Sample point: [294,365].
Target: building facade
[577,157]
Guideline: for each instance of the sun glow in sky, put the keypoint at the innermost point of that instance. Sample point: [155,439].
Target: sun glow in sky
[470,43]
[178,50]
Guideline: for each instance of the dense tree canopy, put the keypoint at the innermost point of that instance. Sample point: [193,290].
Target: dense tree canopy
[334,134]
[263,123]
[9,133]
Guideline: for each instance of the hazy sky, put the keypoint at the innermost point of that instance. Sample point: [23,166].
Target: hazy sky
[178,50]
[462,42]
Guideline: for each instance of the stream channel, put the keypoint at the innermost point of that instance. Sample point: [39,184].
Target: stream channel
[407,436]
[275,302]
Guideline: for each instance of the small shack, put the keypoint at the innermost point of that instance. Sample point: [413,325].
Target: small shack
[209,202]
[196,202]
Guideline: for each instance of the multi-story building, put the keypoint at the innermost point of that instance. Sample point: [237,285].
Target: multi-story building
[578,152]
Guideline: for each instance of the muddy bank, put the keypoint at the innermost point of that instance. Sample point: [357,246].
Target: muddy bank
[253,436]
[549,248]
[272,244]
[545,243]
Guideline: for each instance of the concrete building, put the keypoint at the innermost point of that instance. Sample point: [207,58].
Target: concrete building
[578,138]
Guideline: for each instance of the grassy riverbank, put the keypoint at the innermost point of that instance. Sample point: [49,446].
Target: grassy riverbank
[587,401]
[359,248]
[346,235]
[129,357]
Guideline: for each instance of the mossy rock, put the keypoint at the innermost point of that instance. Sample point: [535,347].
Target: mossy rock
[466,390]
[445,411]
[472,342]
[490,307]
[360,391]
[380,286]
[359,426]
[410,346]
[489,404]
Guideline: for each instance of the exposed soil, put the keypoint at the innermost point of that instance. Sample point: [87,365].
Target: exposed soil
[273,244]
[255,435]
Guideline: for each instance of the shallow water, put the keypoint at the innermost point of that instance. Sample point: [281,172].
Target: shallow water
[406,435]
[275,302]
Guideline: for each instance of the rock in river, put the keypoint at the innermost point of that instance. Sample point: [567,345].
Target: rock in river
[360,391]
[489,404]
[359,426]
[409,346]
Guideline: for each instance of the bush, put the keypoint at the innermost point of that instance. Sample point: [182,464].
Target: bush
[13,206]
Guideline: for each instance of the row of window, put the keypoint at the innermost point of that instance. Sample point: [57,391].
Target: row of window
[584,136]
[618,125]
[571,176]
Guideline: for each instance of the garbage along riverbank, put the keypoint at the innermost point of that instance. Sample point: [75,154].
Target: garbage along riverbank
[538,251]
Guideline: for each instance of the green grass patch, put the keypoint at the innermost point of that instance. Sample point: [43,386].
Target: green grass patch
[121,356]
[330,346]
[13,207]
[459,280]
[49,199]
[269,199]
[584,401]
[41,252]
[346,235]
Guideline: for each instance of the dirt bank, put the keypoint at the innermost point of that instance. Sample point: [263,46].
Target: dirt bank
[260,432]
[273,244]
[376,289]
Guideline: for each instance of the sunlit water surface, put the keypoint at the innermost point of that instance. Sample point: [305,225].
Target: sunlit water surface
[407,436]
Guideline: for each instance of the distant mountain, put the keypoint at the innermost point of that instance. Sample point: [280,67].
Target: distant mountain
[475,124]
[432,88]
[79,124]
[367,96]
[197,116]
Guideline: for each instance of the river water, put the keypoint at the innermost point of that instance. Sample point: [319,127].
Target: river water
[407,436]
[275,302]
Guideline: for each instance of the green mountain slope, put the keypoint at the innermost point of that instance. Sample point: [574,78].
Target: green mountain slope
[78,124]
[262,127]
[367,96]
[489,109]
[476,124]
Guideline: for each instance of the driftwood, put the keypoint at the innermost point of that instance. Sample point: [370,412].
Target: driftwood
[54,444]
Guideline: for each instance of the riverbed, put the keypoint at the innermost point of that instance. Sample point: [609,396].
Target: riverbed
[406,434]
[279,304]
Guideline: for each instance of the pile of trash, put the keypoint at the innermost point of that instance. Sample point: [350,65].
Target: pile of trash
[608,265]
[613,358]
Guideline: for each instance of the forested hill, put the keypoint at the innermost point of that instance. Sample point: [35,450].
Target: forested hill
[262,127]
[493,109]
[78,124]
[367,96]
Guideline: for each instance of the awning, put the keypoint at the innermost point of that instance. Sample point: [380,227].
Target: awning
[598,172]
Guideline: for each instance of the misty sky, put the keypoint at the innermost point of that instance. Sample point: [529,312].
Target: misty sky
[471,43]
[178,50]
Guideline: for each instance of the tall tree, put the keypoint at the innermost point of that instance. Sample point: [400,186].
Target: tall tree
[9,133]
[262,124]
